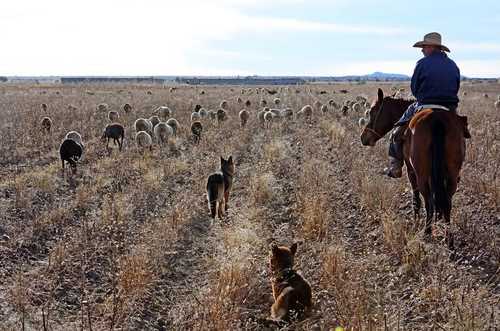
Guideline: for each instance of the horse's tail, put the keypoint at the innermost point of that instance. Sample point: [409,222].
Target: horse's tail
[439,181]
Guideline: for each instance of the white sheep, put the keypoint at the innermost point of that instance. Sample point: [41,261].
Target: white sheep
[224,104]
[46,124]
[362,122]
[277,101]
[163,132]
[102,107]
[497,104]
[143,140]
[143,124]
[244,115]
[317,105]
[163,112]
[75,136]
[174,124]
[113,116]
[324,109]
[306,112]
[260,117]
[203,113]
[212,115]
[287,114]
[195,117]
[357,107]
[221,115]
[269,118]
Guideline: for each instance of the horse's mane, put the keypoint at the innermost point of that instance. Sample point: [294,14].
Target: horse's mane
[399,101]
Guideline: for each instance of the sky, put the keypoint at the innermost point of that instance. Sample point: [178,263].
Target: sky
[242,37]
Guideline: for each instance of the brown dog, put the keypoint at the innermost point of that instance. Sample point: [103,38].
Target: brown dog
[219,185]
[291,291]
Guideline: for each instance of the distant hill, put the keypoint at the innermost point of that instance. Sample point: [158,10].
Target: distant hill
[386,76]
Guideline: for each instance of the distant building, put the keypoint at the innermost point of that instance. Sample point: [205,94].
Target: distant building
[83,79]
[252,80]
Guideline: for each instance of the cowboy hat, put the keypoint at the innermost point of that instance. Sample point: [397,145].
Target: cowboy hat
[432,39]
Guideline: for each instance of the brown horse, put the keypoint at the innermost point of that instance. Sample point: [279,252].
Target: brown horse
[384,113]
[434,151]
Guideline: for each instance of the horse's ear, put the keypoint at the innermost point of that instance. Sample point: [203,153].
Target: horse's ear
[293,248]
[274,249]
[380,94]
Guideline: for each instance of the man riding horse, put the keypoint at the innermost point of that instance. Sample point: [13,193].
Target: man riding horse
[435,82]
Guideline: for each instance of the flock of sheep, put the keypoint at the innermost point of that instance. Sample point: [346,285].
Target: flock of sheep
[162,126]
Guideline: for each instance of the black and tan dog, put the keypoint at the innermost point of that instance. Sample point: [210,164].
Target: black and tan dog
[219,185]
[291,292]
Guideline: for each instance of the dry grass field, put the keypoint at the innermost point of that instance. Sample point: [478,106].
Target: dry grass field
[127,242]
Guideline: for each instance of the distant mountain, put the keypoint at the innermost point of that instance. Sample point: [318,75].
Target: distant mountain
[386,76]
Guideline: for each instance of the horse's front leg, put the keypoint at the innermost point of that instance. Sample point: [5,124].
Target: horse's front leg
[412,177]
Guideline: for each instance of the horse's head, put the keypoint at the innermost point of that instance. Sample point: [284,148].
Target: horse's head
[384,112]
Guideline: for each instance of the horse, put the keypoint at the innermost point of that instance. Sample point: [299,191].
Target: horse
[434,151]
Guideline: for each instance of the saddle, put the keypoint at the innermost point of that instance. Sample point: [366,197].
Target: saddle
[433,107]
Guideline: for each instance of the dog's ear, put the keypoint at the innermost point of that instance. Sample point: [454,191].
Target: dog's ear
[230,160]
[293,248]
[274,249]
[222,160]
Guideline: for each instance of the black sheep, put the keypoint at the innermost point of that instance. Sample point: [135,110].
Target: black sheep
[70,151]
[115,131]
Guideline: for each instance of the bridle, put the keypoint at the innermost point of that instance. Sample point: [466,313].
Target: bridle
[375,122]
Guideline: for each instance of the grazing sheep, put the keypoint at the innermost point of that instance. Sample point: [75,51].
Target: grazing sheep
[263,103]
[239,100]
[212,115]
[287,114]
[44,107]
[72,108]
[317,105]
[486,96]
[162,132]
[362,122]
[73,135]
[464,93]
[202,92]
[268,118]
[149,93]
[305,112]
[154,120]
[196,129]
[221,115]
[143,140]
[116,132]
[360,99]
[277,101]
[275,111]
[70,151]
[172,122]
[127,108]
[357,107]
[163,112]
[345,109]
[172,89]
[142,124]
[195,117]
[260,117]
[203,113]
[324,109]
[248,103]
[497,104]
[102,107]
[113,116]
[46,124]
[223,104]
[367,112]
[244,116]
[197,107]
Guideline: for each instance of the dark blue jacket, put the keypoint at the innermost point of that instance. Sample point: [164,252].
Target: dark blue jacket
[436,79]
